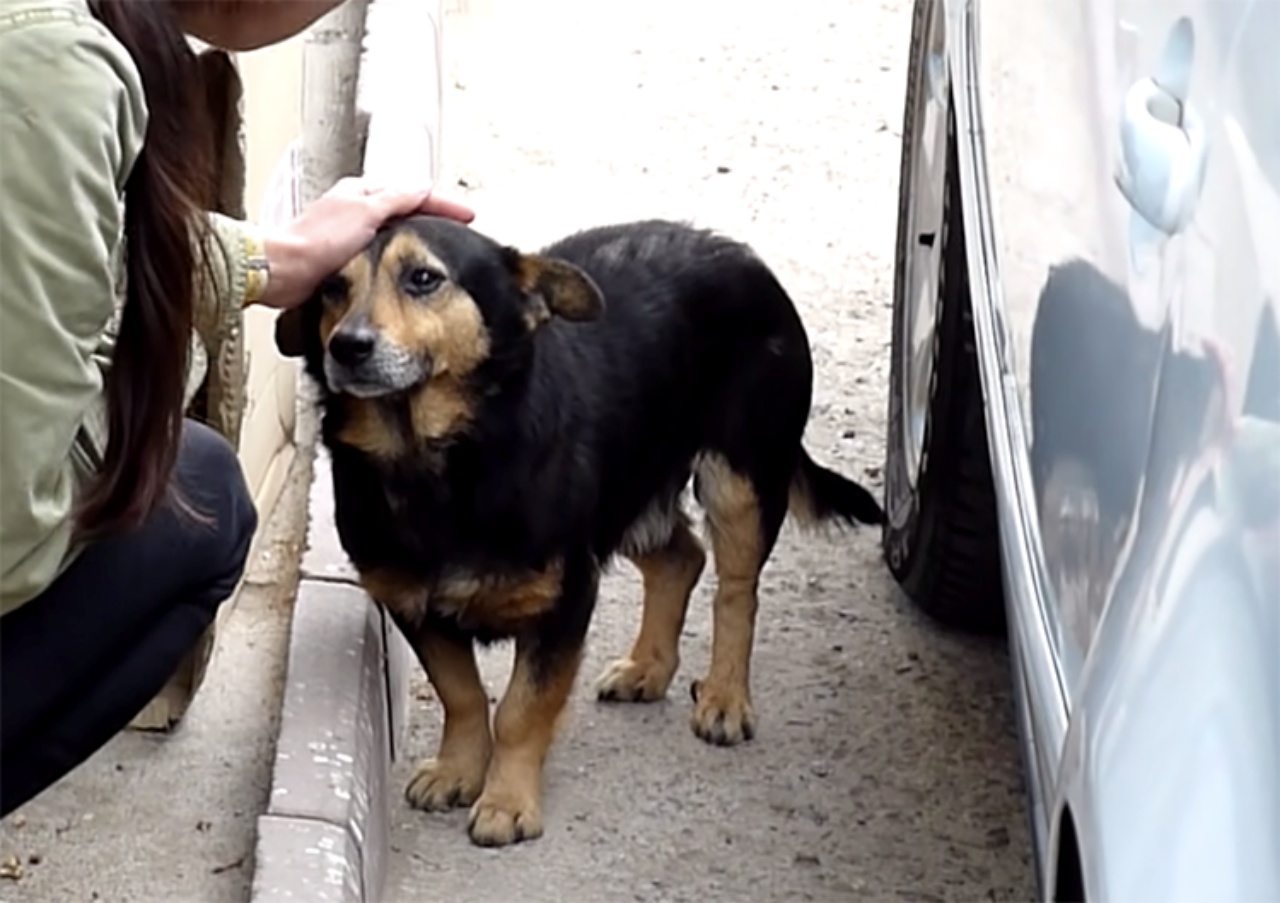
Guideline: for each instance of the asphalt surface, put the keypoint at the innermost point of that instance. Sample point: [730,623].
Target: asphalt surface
[885,763]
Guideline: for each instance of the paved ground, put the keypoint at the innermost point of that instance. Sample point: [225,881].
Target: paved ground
[171,818]
[885,764]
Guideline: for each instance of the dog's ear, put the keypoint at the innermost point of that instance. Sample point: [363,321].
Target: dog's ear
[290,335]
[557,288]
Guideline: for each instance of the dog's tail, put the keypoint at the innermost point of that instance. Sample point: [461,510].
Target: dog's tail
[819,496]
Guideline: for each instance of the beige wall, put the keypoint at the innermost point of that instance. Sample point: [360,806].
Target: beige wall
[272,80]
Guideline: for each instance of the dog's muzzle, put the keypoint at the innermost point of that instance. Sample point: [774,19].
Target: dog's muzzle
[360,362]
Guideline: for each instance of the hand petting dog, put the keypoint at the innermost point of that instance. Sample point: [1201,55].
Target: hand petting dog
[337,227]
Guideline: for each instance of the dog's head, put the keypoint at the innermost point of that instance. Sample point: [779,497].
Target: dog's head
[429,299]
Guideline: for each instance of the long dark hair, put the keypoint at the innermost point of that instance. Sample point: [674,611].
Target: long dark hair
[163,232]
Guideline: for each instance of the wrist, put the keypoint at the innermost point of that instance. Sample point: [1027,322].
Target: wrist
[286,260]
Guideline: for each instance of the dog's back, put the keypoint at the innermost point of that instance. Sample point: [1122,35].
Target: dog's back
[699,351]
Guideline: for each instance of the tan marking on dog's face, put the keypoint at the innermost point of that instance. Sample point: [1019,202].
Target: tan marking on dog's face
[340,294]
[723,713]
[446,326]
[365,427]
[428,333]
[510,809]
[502,604]
[440,409]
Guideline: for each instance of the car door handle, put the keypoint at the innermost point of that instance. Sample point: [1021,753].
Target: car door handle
[1163,140]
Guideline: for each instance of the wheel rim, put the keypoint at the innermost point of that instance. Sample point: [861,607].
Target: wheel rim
[926,236]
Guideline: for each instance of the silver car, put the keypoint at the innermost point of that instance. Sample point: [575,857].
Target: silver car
[1084,407]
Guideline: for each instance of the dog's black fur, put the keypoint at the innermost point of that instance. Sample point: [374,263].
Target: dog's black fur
[669,353]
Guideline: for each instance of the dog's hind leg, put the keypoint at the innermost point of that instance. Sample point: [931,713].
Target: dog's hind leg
[670,573]
[455,777]
[546,665]
[743,528]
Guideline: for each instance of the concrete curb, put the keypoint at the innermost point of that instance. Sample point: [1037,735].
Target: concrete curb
[324,834]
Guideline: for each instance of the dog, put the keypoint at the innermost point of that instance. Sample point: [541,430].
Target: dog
[502,425]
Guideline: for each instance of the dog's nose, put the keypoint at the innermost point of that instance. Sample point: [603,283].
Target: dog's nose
[351,347]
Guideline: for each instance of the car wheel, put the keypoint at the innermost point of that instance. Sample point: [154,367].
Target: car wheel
[941,538]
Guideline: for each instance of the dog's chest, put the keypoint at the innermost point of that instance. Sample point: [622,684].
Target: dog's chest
[498,604]
[489,604]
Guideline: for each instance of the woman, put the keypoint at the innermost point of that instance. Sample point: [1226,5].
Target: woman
[123,526]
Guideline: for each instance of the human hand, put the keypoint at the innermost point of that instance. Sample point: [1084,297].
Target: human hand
[334,229]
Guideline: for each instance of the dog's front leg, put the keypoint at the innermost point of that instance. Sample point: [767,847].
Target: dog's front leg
[546,665]
[456,776]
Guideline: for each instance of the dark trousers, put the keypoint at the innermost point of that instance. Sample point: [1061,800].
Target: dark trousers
[80,660]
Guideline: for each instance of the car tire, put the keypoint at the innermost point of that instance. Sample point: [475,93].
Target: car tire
[941,539]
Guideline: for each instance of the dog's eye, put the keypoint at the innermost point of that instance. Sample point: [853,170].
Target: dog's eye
[421,281]
[333,288]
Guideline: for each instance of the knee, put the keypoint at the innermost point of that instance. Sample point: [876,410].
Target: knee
[211,480]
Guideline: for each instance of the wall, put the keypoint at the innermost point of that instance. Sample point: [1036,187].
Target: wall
[272,79]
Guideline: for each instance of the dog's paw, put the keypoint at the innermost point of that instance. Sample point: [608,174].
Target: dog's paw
[722,715]
[627,680]
[440,784]
[502,818]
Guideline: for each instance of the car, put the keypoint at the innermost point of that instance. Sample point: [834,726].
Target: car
[1083,444]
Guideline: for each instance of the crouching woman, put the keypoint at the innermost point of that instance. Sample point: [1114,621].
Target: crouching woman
[123,525]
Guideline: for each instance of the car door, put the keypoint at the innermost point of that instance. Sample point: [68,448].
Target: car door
[1049,80]
[1093,211]
[1169,760]
[1131,152]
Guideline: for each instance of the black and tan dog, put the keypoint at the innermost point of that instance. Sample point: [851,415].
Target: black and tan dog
[501,425]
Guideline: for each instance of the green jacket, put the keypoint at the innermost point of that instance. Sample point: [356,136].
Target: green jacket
[72,121]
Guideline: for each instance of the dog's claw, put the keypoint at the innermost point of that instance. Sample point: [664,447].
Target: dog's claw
[722,732]
[634,681]
[722,717]
[499,822]
[437,786]
[617,694]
